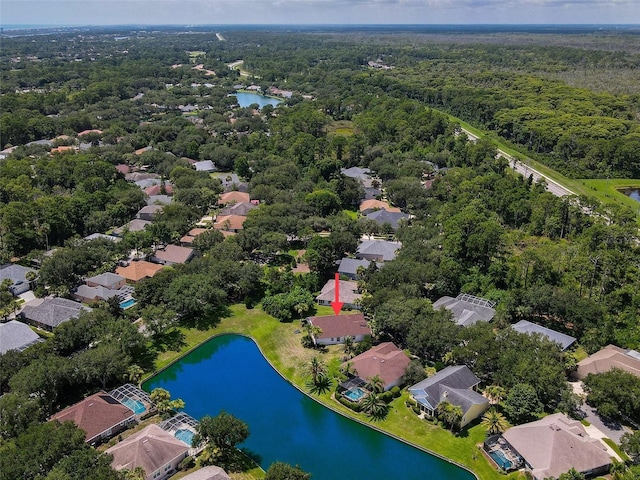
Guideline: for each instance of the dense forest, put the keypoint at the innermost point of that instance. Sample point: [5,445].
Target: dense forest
[475,227]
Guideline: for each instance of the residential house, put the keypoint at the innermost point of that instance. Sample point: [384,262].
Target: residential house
[348,293]
[15,335]
[161,189]
[349,267]
[231,182]
[455,384]
[191,235]
[371,205]
[137,176]
[101,236]
[149,212]
[87,294]
[159,200]
[554,445]
[378,250]
[107,280]
[87,132]
[386,361]
[233,197]
[563,340]
[154,450]
[123,168]
[241,209]
[335,328]
[211,472]
[101,417]
[172,254]
[146,182]
[467,309]
[138,270]
[384,217]
[205,166]
[608,358]
[229,223]
[135,225]
[142,150]
[361,174]
[17,275]
[50,312]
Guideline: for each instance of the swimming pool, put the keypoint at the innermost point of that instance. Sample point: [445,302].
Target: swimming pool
[184,435]
[501,460]
[137,407]
[127,303]
[354,394]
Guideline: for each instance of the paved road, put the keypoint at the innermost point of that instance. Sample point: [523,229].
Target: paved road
[525,170]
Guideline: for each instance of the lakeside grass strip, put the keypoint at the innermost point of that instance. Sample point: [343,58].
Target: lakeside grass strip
[282,348]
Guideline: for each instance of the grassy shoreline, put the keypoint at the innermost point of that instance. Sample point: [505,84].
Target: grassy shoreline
[283,350]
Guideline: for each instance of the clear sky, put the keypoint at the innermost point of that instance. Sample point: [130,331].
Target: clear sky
[215,12]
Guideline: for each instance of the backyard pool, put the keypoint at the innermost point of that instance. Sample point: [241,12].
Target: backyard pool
[184,435]
[354,394]
[127,303]
[229,373]
[501,460]
[137,407]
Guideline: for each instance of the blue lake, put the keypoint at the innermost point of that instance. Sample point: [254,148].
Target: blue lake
[229,373]
[247,98]
[631,192]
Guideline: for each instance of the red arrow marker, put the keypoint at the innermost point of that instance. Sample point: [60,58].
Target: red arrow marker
[337,304]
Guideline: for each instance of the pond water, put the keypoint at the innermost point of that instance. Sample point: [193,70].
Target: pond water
[229,373]
[631,192]
[247,98]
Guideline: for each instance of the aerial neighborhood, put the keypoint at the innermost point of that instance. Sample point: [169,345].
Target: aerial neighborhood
[169,197]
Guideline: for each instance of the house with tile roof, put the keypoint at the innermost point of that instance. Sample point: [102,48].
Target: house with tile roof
[335,328]
[229,223]
[50,312]
[455,384]
[187,240]
[100,416]
[371,205]
[233,197]
[378,250]
[166,189]
[554,445]
[608,358]
[154,450]
[467,309]
[17,275]
[172,254]
[15,335]
[385,361]
[348,293]
[563,340]
[137,270]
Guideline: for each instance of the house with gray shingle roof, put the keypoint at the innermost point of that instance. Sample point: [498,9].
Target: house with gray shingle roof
[17,274]
[107,280]
[51,312]
[159,200]
[15,335]
[205,166]
[554,445]
[384,217]
[467,309]
[87,294]
[241,209]
[378,250]
[135,225]
[149,212]
[348,292]
[349,266]
[563,340]
[101,236]
[454,384]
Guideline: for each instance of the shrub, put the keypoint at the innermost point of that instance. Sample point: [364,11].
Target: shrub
[187,463]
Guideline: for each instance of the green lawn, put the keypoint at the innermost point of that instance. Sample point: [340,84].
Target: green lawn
[282,347]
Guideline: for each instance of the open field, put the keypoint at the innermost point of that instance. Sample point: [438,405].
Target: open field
[341,127]
[282,347]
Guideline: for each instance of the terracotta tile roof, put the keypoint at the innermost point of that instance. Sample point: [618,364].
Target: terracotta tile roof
[62,149]
[192,234]
[86,132]
[385,360]
[136,271]
[341,325]
[157,190]
[95,414]
[373,204]
[151,448]
[229,222]
[234,197]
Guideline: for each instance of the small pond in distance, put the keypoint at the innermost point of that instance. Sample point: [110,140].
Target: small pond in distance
[229,373]
[247,98]
[631,193]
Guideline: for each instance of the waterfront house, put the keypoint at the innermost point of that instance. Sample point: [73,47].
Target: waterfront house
[554,445]
[100,416]
[335,328]
[154,450]
[455,384]
[386,361]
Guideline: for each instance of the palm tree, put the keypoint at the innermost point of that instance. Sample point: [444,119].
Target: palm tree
[348,345]
[494,422]
[495,394]
[376,384]
[374,406]
[449,413]
[322,384]
[316,368]
[134,373]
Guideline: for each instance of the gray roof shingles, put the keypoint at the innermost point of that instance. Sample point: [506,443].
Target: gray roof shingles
[453,383]
[524,326]
[53,311]
[15,335]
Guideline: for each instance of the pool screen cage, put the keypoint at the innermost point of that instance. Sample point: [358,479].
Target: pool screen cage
[182,421]
[130,391]
[350,383]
